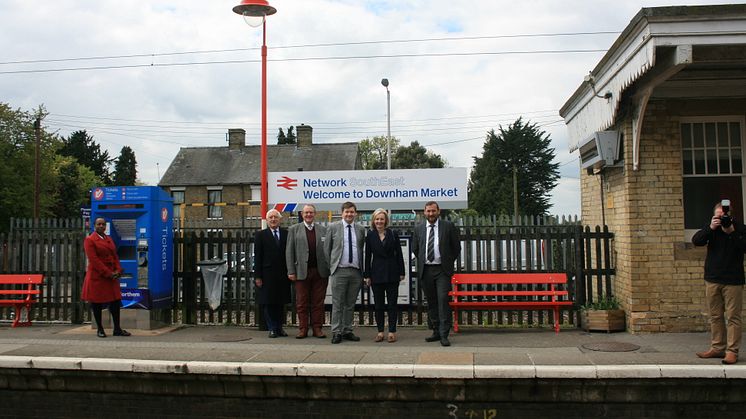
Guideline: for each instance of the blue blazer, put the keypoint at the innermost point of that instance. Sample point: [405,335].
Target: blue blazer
[383,259]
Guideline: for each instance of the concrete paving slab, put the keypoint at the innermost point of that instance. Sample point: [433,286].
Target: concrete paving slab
[213,368]
[295,356]
[162,367]
[446,358]
[269,368]
[56,363]
[4,347]
[10,361]
[326,370]
[628,371]
[735,371]
[443,371]
[389,357]
[517,357]
[692,371]
[106,364]
[334,358]
[504,371]
[562,356]
[565,371]
[384,370]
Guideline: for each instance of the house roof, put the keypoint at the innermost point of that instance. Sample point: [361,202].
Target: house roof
[669,38]
[236,166]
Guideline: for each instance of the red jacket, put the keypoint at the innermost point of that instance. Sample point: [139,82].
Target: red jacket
[99,286]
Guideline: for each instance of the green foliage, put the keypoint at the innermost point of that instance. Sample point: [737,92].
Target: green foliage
[416,156]
[17,149]
[125,168]
[373,152]
[87,152]
[281,139]
[606,303]
[72,184]
[521,147]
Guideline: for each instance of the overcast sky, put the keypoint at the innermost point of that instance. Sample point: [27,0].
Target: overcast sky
[172,74]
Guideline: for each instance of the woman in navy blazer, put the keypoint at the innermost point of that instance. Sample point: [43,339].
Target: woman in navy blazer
[384,269]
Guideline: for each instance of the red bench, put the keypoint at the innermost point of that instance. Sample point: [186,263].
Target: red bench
[498,298]
[24,293]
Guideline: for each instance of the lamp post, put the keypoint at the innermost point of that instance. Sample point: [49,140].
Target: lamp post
[385,83]
[255,13]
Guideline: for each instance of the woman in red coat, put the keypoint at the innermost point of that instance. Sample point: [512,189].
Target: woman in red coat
[101,285]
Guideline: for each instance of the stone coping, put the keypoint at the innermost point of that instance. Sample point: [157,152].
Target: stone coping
[413,370]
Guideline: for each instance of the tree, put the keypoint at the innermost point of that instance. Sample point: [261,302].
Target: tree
[87,152]
[17,148]
[373,152]
[125,168]
[73,183]
[522,153]
[416,156]
[281,139]
[290,139]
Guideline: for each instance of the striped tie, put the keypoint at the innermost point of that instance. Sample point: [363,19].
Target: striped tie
[431,244]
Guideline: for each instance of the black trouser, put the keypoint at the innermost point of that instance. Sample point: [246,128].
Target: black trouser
[114,306]
[386,296]
[273,314]
[436,285]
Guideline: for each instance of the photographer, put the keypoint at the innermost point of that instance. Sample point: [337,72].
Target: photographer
[724,280]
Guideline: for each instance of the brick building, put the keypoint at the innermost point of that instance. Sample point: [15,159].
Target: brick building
[231,175]
[669,98]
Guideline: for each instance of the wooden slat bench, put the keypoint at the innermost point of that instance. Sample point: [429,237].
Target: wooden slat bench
[22,298]
[548,298]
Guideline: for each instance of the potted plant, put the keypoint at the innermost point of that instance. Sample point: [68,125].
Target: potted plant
[603,315]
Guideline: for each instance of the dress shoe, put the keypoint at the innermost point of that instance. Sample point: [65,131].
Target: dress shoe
[282,333]
[379,337]
[435,337]
[122,332]
[100,333]
[301,334]
[272,334]
[712,353]
[445,342]
[730,358]
[319,334]
[351,337]
[337,338]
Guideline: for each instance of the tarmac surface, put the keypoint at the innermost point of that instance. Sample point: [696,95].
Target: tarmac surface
[475,353]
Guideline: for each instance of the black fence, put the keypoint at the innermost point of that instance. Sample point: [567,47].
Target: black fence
[536,245]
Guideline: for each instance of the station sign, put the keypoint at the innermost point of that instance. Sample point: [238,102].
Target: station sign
[405,189]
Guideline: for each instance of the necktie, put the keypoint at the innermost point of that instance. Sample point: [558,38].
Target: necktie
[277,235]
[431,244]
[349,243]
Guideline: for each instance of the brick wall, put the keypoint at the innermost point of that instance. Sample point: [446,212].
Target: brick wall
[659,275]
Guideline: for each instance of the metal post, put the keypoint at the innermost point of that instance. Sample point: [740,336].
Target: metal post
[388,132]
[37,168]
[263,207]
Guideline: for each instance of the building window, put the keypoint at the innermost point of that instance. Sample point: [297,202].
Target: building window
[214,196]
[178,197]
[712,166]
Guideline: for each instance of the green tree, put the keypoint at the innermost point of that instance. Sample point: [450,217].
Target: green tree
[125,168]
[73,183]
[87,152]
[521,152]
[17,149]
[373,152]
[415,156]
[290,138]
[281,139]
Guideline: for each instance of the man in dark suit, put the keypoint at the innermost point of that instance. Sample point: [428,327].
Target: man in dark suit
[270,273]
[436,246]
[308,269]
[343,247]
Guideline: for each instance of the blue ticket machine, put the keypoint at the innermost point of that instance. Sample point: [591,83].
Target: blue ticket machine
[139,220]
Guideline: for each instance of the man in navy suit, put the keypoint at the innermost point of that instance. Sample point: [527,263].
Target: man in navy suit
[271,274]
[436,246]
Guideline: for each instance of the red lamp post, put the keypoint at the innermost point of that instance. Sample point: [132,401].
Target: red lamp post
[255,13]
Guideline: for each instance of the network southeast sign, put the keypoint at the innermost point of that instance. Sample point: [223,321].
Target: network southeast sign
[369,189]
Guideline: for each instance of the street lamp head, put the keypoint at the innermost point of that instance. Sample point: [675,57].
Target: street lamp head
[385,82]
[254,8]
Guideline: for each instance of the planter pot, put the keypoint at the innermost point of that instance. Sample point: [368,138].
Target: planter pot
[602,320]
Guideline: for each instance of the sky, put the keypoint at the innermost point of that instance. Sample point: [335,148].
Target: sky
[158,75]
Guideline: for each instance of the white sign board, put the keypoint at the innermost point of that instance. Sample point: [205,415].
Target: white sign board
[369,189]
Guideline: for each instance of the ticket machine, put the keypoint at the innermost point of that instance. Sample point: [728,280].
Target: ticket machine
[139,220]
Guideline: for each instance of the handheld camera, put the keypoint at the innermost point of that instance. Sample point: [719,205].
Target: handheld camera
[726,220]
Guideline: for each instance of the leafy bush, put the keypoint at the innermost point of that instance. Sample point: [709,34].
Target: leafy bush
[606,303]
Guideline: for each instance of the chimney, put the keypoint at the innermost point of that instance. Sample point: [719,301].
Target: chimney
[303,135]
[236,138]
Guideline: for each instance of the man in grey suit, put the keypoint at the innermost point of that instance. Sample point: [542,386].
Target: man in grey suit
[344,249]
[308,268]
[436,246]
